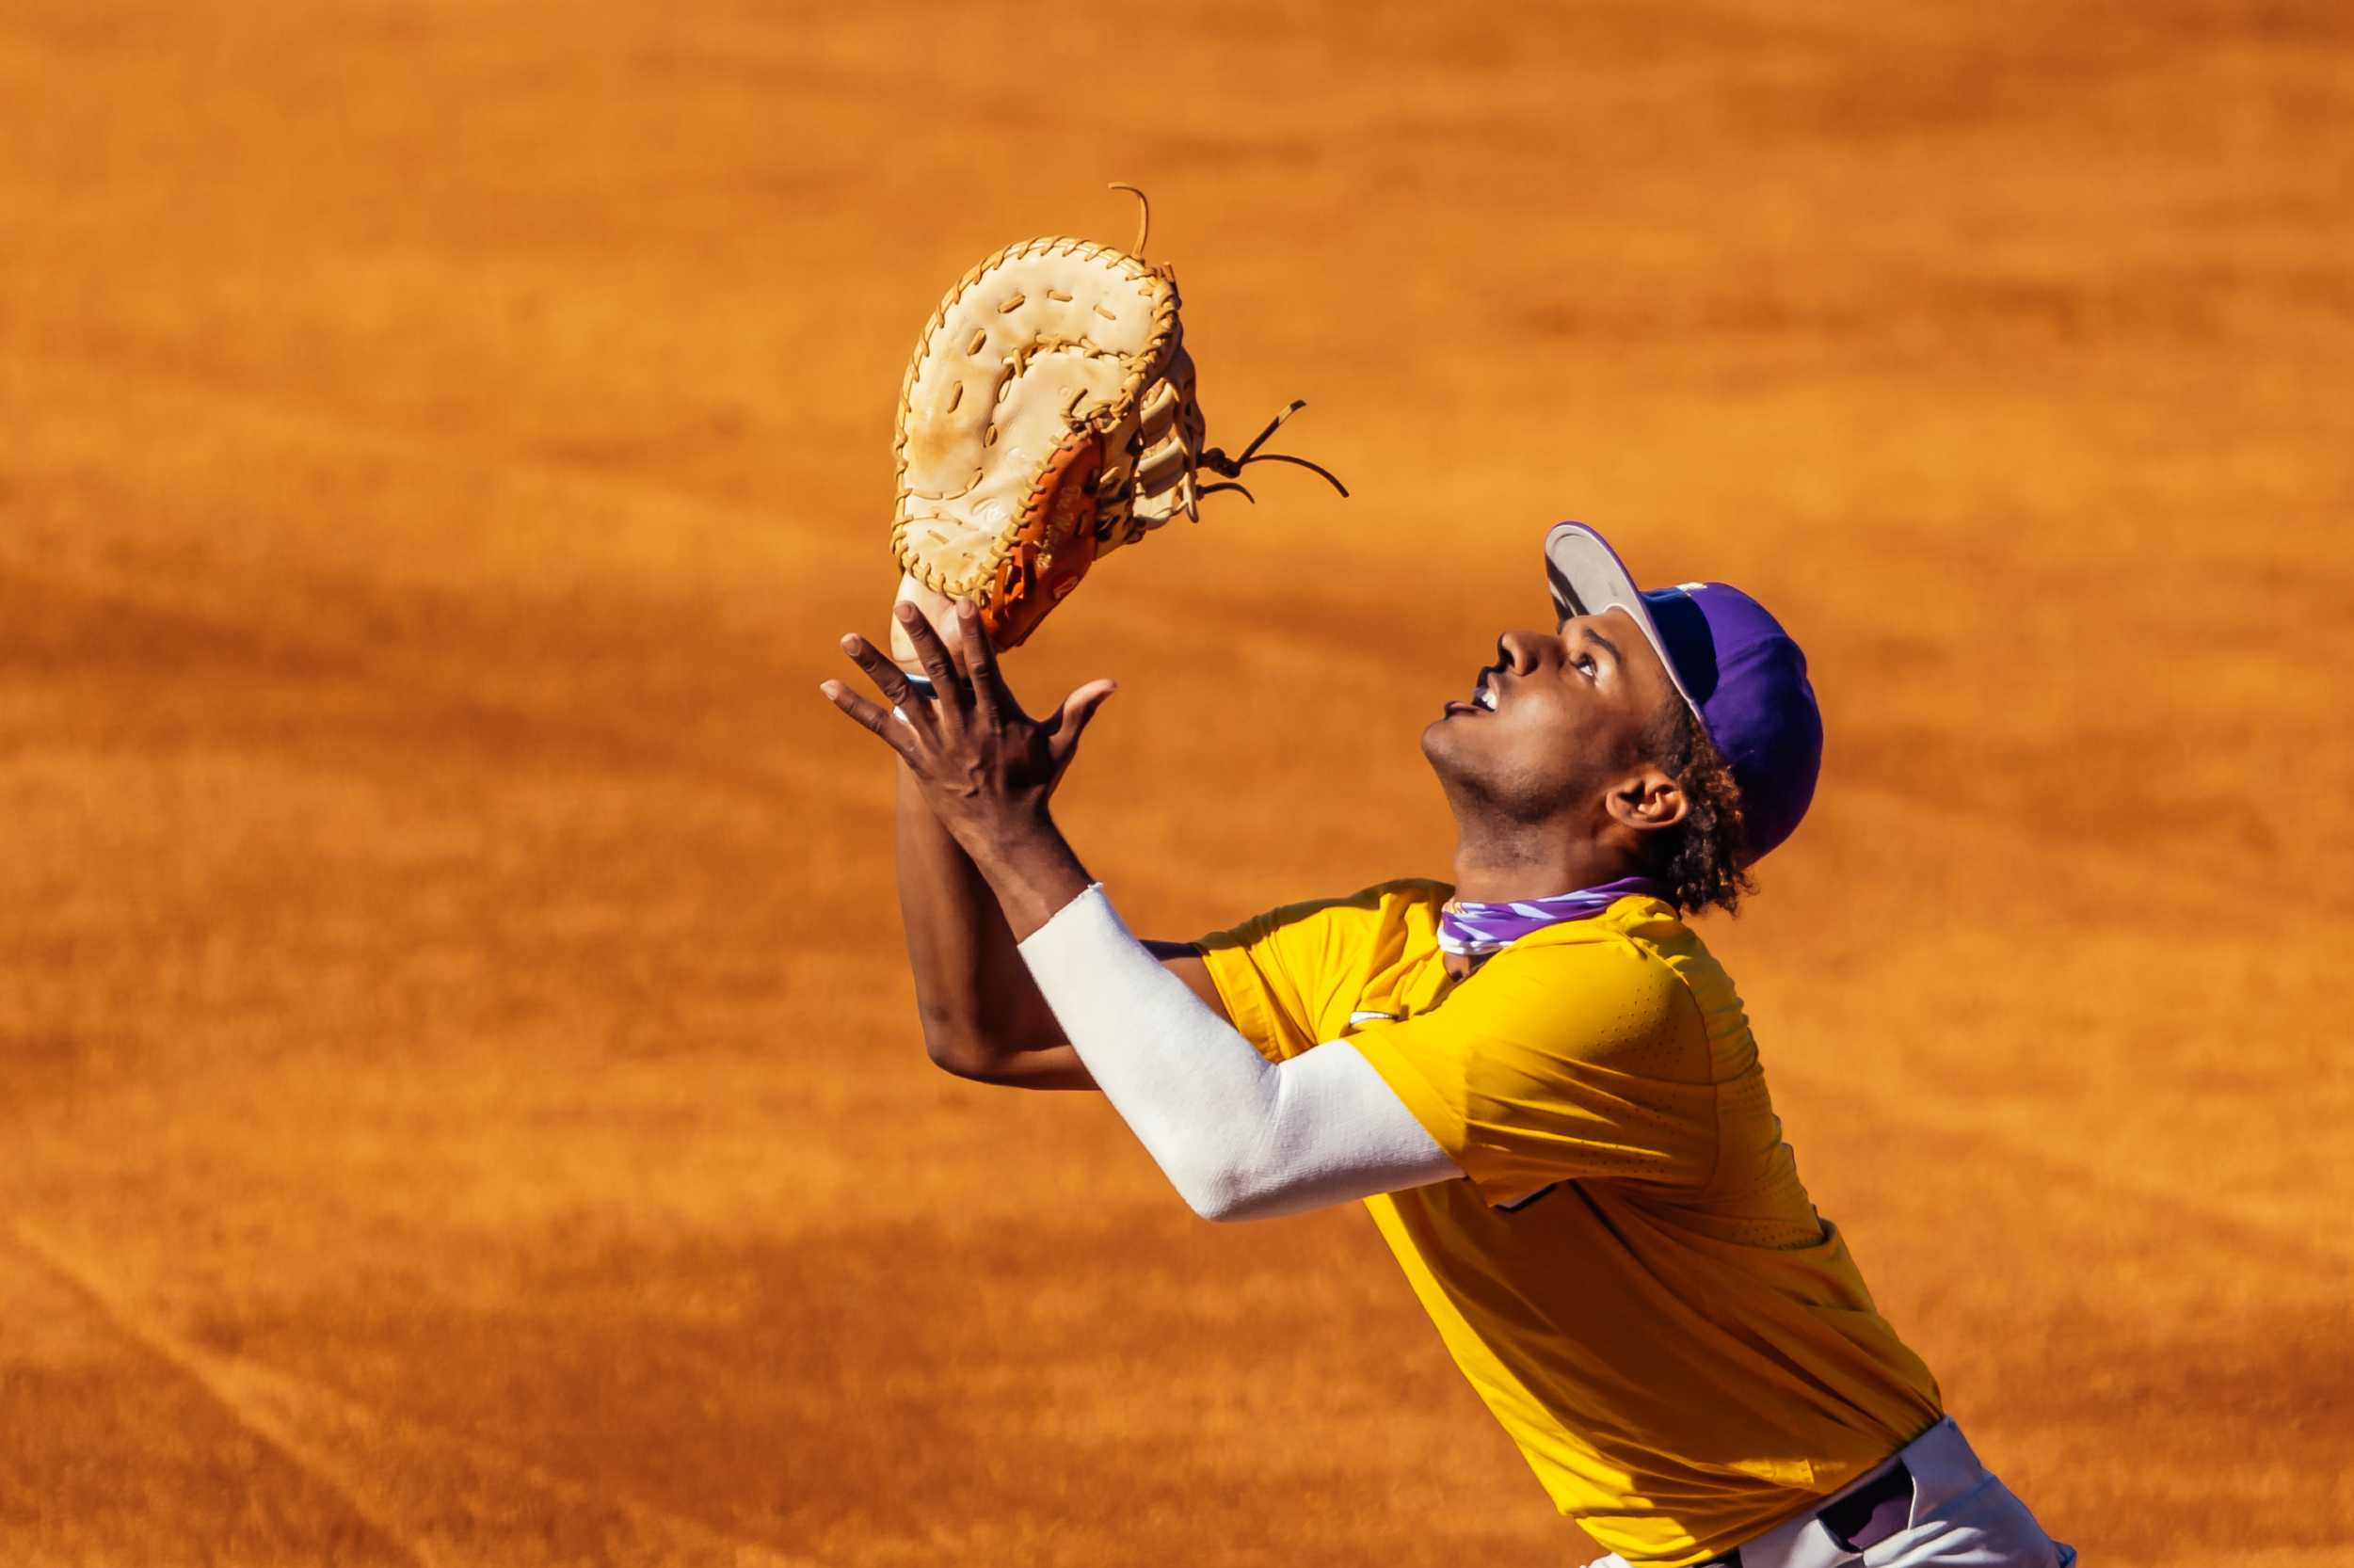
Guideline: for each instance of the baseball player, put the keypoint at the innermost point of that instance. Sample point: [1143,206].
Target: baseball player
[1536,1079]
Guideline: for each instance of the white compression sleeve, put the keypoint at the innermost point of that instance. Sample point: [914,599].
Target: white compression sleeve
[1240,1137]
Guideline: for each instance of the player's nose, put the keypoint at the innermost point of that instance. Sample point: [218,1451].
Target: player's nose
[1522,651]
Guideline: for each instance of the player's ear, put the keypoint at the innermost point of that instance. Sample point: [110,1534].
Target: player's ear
[1648,800]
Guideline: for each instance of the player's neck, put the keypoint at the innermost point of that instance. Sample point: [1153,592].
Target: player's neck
[1500,870]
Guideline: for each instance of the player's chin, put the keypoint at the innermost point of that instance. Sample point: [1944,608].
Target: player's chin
[1445,740]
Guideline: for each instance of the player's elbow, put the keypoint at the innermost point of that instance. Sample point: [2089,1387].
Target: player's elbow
[960,1053]
[1218,1207]
[1220,1194]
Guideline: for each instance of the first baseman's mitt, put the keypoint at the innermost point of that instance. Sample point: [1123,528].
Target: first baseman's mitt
[1048,417]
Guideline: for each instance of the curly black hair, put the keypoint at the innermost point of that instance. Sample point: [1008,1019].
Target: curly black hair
[1700,859]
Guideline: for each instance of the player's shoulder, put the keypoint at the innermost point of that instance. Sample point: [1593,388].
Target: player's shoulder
[1399,905]
[1398,891]
[1403,894]
[1400,916]
[1621,974]
[1385,903]
[1589,954]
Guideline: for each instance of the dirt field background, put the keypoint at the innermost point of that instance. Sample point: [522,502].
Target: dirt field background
[460,1095]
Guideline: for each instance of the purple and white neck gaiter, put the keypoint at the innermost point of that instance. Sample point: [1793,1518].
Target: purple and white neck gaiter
[1477,930]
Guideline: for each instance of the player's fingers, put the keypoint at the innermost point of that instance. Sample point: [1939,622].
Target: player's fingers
[934,654]
[887,677]
[911,703]
[893,731]
[991,699]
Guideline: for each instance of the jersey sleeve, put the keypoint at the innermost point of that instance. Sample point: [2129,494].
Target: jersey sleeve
[1565,1062]
[1279,972]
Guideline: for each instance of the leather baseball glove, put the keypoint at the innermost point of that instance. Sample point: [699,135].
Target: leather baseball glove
[1047,417]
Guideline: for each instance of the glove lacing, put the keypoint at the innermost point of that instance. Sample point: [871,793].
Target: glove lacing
[1218,463]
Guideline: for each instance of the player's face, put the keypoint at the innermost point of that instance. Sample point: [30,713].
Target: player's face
[1554,720]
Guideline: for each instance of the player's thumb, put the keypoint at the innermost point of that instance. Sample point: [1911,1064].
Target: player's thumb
[1078,710]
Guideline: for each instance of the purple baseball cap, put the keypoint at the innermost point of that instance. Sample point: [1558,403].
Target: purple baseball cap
[1742,675]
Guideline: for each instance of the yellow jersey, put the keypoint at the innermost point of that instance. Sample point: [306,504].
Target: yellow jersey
[1630,1273]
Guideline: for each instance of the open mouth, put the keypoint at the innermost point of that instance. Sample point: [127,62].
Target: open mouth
[1482,698]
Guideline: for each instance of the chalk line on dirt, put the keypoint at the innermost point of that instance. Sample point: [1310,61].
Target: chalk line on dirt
[183,1358]
[247,1390]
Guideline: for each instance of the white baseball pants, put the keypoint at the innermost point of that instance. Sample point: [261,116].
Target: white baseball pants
[1962,1516]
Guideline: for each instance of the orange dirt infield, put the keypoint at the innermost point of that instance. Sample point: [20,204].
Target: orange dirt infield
[463,1099]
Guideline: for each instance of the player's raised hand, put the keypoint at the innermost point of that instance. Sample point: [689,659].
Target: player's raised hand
[987,767]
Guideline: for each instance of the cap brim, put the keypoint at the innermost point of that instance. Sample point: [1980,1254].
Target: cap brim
[1587,578]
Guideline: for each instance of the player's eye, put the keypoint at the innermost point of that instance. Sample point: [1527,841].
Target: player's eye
[1586,666]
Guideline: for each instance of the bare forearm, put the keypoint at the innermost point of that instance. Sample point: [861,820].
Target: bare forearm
[979,1008]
